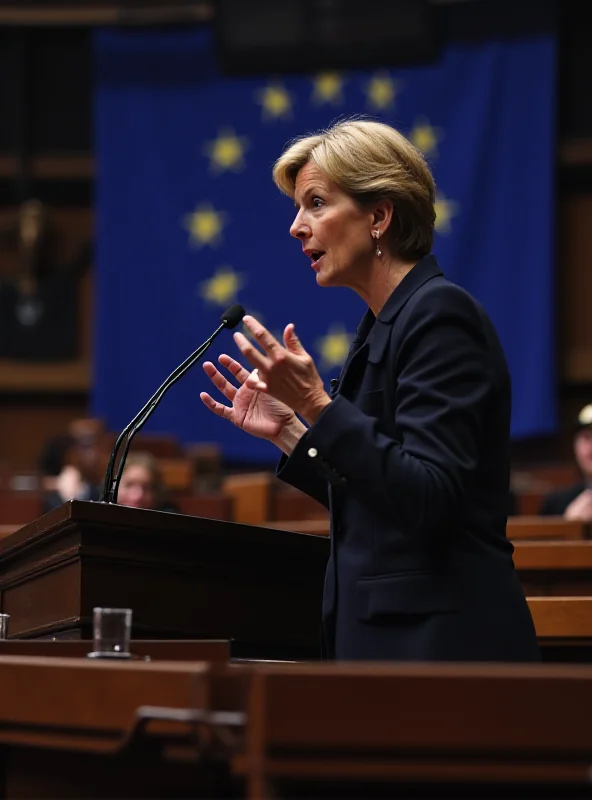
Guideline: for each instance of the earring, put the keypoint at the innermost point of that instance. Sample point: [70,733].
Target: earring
[376,235]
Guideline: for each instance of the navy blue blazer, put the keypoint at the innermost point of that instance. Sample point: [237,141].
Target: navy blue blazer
[412,459]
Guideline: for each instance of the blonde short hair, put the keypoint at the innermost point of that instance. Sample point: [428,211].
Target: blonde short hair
[371,161]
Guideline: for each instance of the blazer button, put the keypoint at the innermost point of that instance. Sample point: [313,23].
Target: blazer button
[313,452]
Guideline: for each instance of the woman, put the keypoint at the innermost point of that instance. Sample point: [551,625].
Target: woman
[141,484]
[409,451]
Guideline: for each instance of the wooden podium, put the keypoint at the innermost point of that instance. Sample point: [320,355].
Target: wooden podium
[183,577]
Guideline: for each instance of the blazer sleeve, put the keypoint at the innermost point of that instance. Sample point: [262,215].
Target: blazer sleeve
[445,374]
[300,472]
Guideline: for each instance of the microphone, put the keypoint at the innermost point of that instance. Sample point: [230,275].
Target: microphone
[229,319]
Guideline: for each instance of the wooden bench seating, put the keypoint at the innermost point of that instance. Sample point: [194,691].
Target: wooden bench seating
[518,529]
[562,618]
[212,506]
[545,528]
[288,503]
[19,508]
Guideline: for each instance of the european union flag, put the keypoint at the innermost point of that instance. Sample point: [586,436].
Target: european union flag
[189,220]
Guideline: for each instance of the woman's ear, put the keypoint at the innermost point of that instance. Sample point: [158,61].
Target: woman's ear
[382,215]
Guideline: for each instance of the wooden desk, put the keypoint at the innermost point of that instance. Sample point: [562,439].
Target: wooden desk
[562,618]
[78,728]
[546,528]
[564,628]
[554,568]
[74,728]
[146,650]
[423,730]
[518,528]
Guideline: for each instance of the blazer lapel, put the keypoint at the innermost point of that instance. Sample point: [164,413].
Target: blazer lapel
[356,347]
[373,333]
[422,272]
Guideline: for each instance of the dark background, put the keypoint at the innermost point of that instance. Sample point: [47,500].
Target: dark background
[46,151]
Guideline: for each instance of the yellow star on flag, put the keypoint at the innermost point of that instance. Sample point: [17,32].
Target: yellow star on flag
[222,288]
[276,101]
[425,137]
[227,151]
[445,210]
[381,90]
[328,88]
[334,346]
[205,225]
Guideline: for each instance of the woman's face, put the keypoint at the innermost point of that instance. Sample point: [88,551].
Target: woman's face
[336,233]
[137,488]
[583,451]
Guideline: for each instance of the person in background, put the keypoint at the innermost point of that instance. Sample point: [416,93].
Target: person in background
[39,303]
[142,485]
[62,474]
[575,503]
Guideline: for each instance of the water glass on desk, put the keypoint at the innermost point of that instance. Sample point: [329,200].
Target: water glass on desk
[111,632]
[4,620]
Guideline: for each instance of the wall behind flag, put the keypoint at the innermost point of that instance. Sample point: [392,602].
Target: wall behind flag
[188,219]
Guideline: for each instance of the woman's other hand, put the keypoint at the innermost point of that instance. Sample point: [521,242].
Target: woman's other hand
[251,410]
[287,373]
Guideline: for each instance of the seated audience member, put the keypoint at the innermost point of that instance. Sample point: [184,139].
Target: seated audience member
[63,478]
[576,501]
[141,484]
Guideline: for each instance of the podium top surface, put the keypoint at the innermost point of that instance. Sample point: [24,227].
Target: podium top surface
[78,515]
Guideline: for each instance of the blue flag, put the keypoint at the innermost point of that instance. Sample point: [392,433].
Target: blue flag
[189,220]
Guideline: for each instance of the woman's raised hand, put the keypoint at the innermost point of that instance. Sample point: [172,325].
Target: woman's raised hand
[251,410]
[286,372]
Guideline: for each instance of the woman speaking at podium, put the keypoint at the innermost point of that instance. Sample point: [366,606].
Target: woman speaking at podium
[410,450]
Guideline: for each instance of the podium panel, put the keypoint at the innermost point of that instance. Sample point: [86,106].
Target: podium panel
[183,577]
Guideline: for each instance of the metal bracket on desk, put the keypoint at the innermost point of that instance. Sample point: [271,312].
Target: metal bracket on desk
[209,729]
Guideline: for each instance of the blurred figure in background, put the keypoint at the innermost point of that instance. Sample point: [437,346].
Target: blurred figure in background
[39,305]
[62,476]
[576,501]
[142,485]
[71,464]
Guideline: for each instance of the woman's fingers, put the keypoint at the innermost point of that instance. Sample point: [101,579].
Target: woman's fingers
[250,352]
[262,336]
[234,367]
[219,381]
[254,382]
[218,408]
[273,350]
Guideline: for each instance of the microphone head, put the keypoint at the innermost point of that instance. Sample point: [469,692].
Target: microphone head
[232,316]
